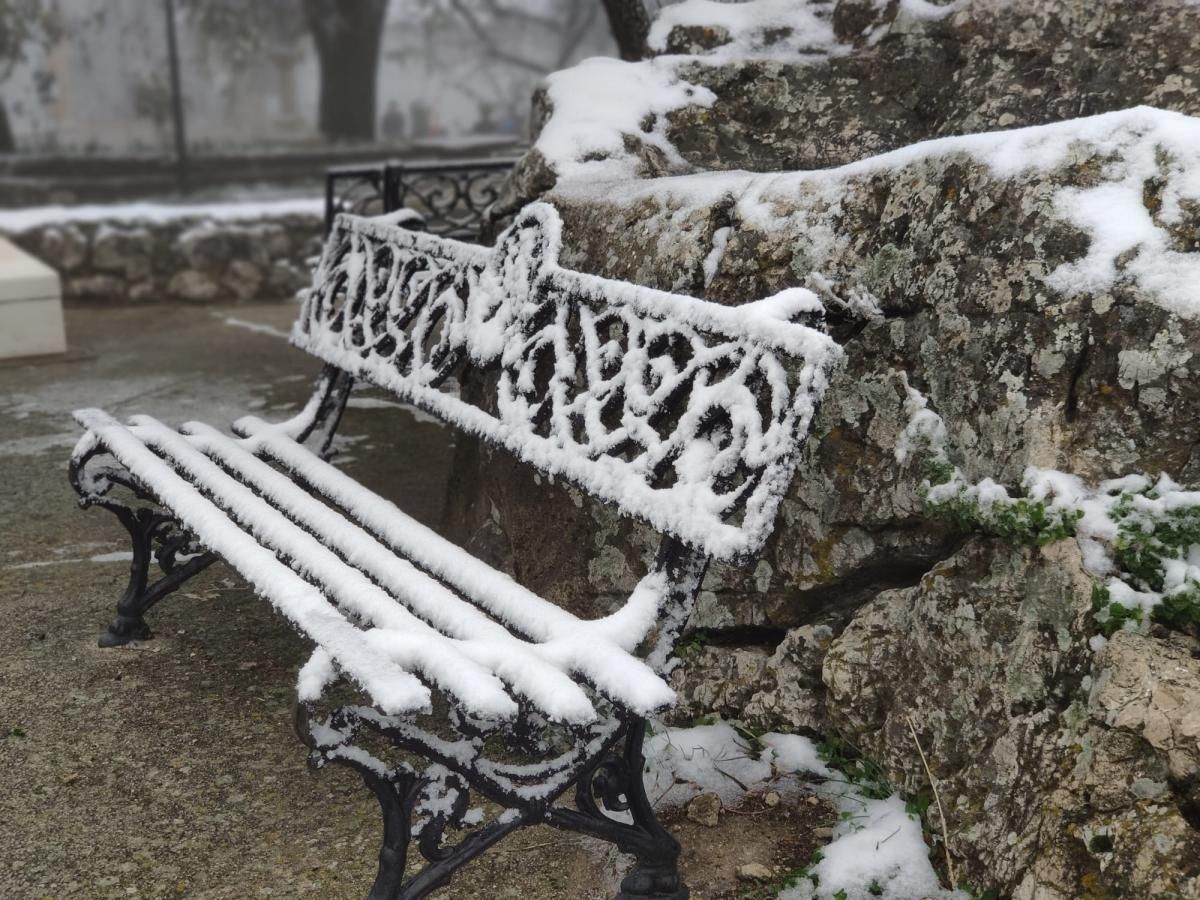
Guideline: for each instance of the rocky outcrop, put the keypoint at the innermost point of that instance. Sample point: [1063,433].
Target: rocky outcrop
[1065,774]
[890,74]
[910,77]
[192,258]
[939,271]
[1037,290]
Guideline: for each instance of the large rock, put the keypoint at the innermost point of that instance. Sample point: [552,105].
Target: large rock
[1039,292]
[981,66]
[1063,774]
[942,270]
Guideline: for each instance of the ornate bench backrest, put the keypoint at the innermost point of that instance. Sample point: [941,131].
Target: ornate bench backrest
[684,413]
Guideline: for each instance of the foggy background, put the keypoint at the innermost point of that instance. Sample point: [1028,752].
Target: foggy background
[86,97]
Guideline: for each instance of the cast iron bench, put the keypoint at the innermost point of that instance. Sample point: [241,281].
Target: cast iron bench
[684,413]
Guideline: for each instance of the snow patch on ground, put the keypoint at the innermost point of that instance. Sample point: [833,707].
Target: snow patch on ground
[37,444]
[377,403]
[257,327]
[877,849]
[115,556]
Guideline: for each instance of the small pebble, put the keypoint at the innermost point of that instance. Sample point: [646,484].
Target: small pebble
[705,809]
[771,798]
[754,872]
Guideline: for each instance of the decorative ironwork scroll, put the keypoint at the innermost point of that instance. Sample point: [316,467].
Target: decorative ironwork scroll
[430,805]
[686,414]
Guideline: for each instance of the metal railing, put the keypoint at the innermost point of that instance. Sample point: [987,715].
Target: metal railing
[454,196]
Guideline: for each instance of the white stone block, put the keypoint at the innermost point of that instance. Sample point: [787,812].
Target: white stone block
[31,319]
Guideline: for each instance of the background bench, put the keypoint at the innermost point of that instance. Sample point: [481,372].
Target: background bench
[685,414]
[452,196]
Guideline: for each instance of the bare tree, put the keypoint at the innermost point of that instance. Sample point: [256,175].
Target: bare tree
[347,35]
[562,27]
[24,25]
[629,23]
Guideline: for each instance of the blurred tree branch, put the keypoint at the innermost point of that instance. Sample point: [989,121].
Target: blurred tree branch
[490,20]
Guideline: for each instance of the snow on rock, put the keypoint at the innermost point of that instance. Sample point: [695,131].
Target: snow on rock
[598,102]
[18,220]
[790,30]
[1102,517]
[1131,237]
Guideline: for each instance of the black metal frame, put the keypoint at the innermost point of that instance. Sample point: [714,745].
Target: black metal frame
[155,535]
[454,196]
[604,765]
[608,780]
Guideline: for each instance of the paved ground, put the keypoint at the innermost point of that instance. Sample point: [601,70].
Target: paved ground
[171,770]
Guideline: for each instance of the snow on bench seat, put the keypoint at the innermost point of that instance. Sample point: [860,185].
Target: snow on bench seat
[343,579]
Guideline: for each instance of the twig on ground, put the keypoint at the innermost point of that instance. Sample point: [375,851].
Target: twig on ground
[731,778]
[937,798]
[540,846]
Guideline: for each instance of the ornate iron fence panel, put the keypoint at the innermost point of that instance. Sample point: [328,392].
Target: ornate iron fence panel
[454,196]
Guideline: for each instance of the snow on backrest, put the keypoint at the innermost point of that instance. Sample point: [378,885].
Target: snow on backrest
[682,412]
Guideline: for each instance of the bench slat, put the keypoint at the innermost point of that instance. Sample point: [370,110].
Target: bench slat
[517,662]
[567,642]
[596,649]
[394,689]
[398,634]
[466,653]
[495,591]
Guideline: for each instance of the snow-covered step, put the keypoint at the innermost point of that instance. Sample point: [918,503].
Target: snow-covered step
[31,319]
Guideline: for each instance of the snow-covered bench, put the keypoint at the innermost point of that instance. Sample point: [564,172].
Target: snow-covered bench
[686,414]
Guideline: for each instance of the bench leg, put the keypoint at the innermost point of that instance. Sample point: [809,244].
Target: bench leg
[396,795]
[145,527]
[656,872]
[655,875]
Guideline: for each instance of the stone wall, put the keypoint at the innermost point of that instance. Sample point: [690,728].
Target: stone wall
[193,259]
